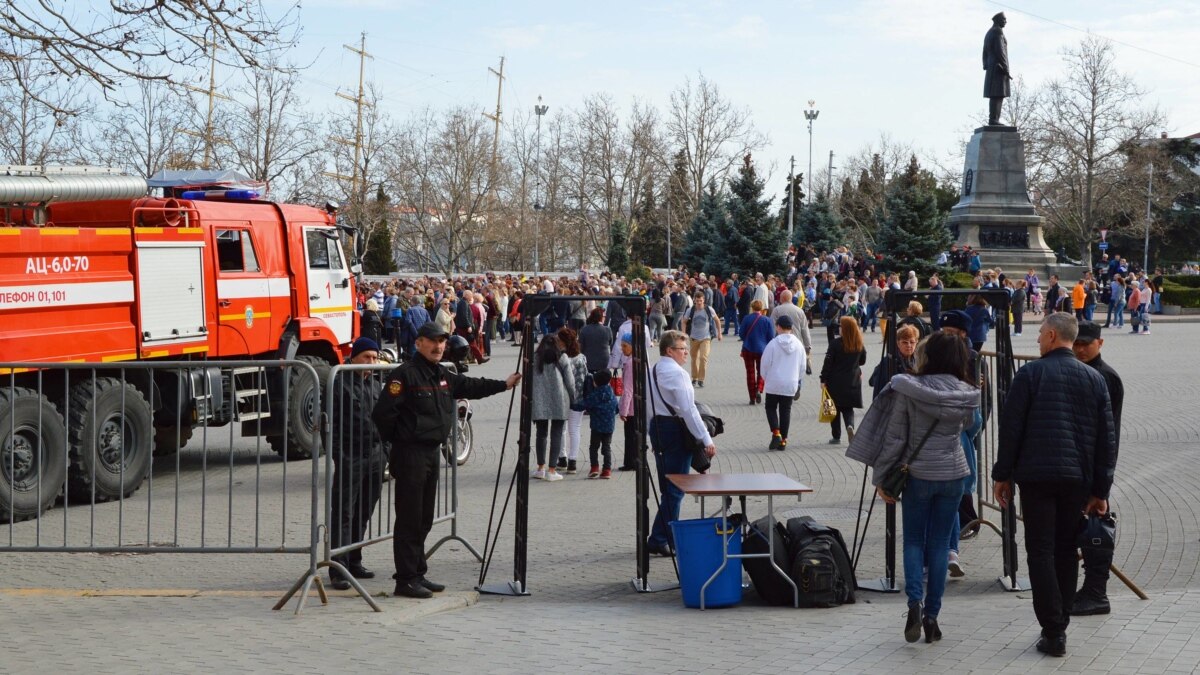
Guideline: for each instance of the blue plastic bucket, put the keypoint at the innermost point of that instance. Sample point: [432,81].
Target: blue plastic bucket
[698,549]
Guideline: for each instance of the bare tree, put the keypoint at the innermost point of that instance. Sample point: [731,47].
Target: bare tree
[1086,123]
[31,132]
[269,132]
[442,180]
[143,135]
[713,134]
[160,40]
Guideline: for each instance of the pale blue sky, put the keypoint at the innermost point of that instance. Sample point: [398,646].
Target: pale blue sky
[907,68]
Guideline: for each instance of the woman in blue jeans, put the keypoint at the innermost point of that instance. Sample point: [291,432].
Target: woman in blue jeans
[918,423]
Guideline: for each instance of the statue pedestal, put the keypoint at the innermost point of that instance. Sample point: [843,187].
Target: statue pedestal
[994,215]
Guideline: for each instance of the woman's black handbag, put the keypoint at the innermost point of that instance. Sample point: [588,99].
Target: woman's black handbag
[1098,532]
[895,479]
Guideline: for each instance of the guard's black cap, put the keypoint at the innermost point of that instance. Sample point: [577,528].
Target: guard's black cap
[432,331]
[956,318]
[1089,331]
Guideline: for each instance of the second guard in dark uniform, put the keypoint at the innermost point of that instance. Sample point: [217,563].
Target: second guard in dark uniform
[415,413]
[1092,597]
[358,462]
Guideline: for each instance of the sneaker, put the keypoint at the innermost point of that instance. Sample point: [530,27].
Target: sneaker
[553,476]
[572,468]
[835,441]
[562,462]
[783,444]
[1017,333]
[594,472]
[1146,332]
[955,567]
[540,474]
[700,384]
[606,473]
[776,442]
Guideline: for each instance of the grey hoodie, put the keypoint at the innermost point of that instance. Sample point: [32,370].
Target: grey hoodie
[907,407]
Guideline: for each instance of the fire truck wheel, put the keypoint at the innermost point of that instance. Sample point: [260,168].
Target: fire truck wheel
[32,438]
[111,435]
[170,440]
[303,412]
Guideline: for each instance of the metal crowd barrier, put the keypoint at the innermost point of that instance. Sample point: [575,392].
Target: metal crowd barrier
[358,492]
[79,471]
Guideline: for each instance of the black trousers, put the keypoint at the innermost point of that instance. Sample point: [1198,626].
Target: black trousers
[356,487]
[415,470]
[843,415]
[779,413]
[1051,512]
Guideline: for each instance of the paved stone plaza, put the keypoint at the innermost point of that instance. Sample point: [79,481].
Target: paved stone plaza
[190,613]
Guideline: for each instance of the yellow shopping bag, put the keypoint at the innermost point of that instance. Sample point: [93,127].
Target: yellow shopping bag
[828,409]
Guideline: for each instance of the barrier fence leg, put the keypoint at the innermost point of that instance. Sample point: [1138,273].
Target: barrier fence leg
[454,535]
[1010,581]
[886,583]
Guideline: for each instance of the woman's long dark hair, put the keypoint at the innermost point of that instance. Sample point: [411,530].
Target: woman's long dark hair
[548,351]
[945,354]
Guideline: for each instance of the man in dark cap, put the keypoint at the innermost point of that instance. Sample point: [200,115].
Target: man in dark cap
[995,63]
[358,463]
[416,412]
[1092,597]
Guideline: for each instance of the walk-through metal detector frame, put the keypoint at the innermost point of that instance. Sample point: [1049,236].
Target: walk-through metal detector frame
[895,302]
[532,307]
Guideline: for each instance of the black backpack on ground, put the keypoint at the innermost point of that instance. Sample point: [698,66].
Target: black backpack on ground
[820,563]
[772,588]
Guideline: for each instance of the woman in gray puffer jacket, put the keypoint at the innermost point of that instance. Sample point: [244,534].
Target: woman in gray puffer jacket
[553,390]
[935,405]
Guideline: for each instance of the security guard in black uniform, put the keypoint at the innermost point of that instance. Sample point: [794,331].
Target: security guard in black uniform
[358,462]
[416,412]
[1092,597]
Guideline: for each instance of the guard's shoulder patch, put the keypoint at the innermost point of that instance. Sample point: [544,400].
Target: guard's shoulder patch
[395,387]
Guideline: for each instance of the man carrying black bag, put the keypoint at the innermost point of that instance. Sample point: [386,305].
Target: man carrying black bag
[1092,597]
[674,422]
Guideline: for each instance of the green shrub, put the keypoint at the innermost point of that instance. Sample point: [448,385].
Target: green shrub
[638,271]
[1186,280]
[1176,294]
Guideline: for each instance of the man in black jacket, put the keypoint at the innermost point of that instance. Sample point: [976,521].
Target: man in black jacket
[1062,455]
[1092,597]
[358,463]
[415,413]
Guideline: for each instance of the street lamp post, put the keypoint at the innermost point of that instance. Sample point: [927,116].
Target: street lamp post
[810,115]
[538,110]
[792,193]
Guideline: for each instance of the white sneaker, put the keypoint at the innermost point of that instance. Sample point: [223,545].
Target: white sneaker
[553,476]
[540,474]
[956,568]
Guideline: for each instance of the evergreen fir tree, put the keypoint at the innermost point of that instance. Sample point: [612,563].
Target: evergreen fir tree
[913,232]
[819,227]
[701,243]
[618,247]
[794,188]
[378,258]
[750,240]
[648,243]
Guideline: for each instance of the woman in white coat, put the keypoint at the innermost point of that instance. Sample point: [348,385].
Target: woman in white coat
[781,369]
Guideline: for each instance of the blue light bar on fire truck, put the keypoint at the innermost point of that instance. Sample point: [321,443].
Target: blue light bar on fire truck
[220,194]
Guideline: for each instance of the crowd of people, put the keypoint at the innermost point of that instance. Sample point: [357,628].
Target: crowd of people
[927,394]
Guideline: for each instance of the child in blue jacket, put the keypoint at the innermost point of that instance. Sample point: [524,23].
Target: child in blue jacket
[601,405]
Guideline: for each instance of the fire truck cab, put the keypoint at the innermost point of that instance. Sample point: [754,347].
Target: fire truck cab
[93,270]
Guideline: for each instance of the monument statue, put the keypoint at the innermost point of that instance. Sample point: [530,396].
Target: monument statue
[995,63]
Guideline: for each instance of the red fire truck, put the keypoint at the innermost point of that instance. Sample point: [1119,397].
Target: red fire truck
[92,270]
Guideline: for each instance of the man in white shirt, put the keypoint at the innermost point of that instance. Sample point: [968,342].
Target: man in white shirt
[674,422]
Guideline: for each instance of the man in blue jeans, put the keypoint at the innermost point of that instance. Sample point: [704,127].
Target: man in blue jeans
[674,422]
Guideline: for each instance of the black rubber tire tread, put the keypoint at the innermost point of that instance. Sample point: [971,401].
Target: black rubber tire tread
[79,477]
[301,440]
[25,404]
[165,440]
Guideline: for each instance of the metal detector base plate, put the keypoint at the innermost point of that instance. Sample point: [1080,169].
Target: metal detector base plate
[649,587]
[1021,585]
[879,585]
[506,588]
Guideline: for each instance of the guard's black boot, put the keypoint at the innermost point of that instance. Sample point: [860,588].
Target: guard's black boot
[1092,598]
